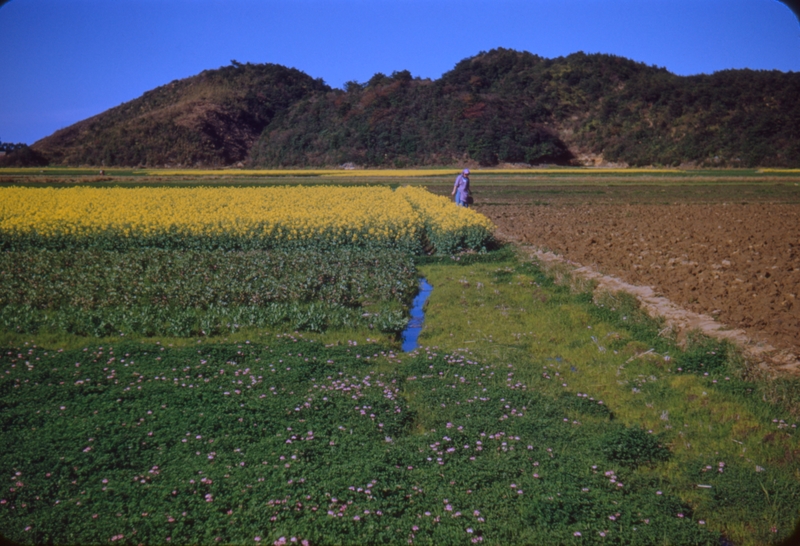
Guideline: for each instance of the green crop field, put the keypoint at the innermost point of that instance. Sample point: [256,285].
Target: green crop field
[202,396]
[184,293]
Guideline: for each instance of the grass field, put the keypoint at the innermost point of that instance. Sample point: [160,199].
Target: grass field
[532,413]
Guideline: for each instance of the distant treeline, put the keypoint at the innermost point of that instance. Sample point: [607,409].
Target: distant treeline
[501,106]
[20,155]
[10,146]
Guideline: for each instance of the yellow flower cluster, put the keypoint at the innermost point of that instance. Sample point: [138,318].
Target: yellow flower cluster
[355,173]
[290,212]
[264,216]
[441,214]
[448,228]
[402,173]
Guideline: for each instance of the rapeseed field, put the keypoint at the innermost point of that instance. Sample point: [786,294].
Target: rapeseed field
[236,218]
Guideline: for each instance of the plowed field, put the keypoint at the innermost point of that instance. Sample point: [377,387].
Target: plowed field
[730,251]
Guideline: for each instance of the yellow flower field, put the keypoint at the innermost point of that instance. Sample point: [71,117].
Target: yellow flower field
[356,173]
[334,173]
[228,217]
[399,173]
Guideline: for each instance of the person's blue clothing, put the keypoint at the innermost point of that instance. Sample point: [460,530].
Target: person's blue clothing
[461,189]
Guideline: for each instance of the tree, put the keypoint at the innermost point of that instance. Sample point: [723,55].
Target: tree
[352,86]
[21,155]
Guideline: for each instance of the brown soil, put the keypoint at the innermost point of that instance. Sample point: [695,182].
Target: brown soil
[739,263]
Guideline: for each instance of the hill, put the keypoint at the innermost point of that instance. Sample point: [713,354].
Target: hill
[211,119]
[501,106]
[506,106]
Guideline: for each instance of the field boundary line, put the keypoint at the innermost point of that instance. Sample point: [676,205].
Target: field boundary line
[768,358]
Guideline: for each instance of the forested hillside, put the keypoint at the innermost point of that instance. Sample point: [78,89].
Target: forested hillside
[211,119]
[512,107]
[501,106]
[399,121]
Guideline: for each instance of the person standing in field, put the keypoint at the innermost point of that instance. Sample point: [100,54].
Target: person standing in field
[461,189]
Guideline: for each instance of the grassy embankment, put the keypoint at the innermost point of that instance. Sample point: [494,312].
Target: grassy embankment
[733,444]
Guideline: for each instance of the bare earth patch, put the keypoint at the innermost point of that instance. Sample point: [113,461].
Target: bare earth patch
[725,264]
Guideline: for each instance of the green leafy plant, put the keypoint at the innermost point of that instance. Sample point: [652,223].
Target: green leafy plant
[632,447]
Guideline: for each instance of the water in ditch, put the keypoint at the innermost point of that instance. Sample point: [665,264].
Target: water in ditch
[414,326]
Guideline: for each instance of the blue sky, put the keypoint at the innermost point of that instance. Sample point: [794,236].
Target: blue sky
[66,60]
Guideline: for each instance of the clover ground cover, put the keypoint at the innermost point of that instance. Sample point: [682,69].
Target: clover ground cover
[137,443]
